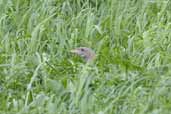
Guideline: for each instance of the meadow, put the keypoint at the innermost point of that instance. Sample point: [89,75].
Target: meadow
[130,75]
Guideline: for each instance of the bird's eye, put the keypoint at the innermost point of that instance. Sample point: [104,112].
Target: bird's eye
[82,49]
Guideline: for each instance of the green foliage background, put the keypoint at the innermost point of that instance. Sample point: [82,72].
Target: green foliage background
[131,74]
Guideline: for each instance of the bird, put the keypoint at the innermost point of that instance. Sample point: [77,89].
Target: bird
[86,73]
[87,53]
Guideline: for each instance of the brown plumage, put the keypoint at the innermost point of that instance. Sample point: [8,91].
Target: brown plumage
[87,53]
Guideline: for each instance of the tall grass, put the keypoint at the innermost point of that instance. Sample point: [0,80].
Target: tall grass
[131,74]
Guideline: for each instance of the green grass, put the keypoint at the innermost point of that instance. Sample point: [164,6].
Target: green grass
[131,74]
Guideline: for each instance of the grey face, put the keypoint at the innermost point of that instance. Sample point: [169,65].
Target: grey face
[84,52]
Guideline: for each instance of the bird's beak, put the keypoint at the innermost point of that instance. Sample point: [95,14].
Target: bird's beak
[76,51]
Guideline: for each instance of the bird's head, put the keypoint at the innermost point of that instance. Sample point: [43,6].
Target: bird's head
[87,53]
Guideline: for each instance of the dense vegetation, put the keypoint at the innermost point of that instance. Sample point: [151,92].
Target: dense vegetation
[131,74]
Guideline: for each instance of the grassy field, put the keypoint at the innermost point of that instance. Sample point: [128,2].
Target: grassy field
[132,71]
